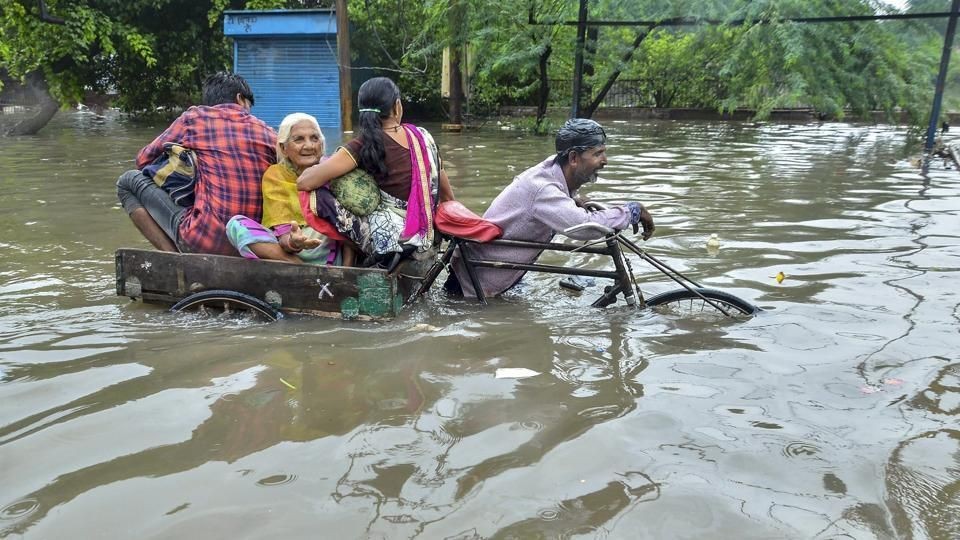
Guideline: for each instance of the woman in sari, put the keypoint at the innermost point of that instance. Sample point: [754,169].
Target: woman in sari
[405,164]
[283,234]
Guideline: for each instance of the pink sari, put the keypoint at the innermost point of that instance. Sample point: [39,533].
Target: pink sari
[395,223]
[418,227]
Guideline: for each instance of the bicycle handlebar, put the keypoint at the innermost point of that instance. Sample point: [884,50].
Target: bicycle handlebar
[594,205]
[588,226]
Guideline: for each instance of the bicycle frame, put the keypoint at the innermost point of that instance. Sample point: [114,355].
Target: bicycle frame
[611,248]
[621,276]
[623,282]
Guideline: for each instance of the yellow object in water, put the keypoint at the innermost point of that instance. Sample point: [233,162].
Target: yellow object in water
[780,277]
[713,241]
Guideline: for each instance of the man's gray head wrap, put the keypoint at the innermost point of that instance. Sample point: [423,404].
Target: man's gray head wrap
[578,134]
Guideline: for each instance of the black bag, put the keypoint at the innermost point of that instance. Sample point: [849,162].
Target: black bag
[175,171]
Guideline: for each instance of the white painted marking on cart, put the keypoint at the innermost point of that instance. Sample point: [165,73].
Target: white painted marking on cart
[324,289]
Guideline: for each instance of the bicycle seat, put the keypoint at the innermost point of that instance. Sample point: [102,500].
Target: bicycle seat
[455,219]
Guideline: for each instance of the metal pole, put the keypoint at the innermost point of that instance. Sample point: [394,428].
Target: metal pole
[578,59]
[942,77]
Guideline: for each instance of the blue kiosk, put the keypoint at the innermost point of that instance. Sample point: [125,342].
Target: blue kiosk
[290,60]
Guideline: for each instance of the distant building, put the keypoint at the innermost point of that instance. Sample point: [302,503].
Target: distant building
[289,57]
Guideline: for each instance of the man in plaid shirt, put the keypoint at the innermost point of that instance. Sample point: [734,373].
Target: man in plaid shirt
[233,148]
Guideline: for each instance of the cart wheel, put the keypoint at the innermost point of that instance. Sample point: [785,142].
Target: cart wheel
[685,301]
[228,301]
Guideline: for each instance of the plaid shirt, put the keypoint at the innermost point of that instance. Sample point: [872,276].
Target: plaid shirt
[233,149]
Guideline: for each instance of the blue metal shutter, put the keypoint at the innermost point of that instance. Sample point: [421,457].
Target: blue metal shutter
[290,75]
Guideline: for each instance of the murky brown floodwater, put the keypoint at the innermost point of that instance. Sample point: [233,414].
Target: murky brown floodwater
[833,414]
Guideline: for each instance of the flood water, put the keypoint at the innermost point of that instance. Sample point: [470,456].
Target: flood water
[833,414]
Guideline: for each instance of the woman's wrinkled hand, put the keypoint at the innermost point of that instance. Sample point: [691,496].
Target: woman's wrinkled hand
[298,241]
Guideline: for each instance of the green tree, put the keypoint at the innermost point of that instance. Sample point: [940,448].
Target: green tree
[760,62]
[49,46]
[832,67]
[152,53]
[400,39]
[513,57]
[618,46]
[677,68]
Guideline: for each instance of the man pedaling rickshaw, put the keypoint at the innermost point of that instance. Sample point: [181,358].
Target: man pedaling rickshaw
[540,202]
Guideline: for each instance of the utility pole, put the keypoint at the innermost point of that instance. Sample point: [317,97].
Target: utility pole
[942,77]
[343,61]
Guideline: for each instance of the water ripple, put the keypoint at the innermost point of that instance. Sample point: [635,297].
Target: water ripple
[752,424]
[277,480]
[19,509]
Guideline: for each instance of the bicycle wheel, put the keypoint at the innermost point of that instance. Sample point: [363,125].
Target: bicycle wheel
[685,301]
[228,301]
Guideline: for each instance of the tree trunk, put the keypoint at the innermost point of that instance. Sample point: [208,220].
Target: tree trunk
[37,85]
[578,60]
[589,54]
[457,20]
[456,86]
[544,95]
[592,107]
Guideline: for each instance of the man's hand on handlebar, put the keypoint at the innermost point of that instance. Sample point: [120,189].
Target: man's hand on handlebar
[640,216]
[647,221]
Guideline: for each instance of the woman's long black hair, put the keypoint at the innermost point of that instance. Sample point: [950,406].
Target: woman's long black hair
[375,100]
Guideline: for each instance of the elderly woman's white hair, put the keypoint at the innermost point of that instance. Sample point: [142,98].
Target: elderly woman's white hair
[283,133]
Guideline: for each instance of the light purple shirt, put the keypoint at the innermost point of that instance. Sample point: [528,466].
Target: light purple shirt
[535,206]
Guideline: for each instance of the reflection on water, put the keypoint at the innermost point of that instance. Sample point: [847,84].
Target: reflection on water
[833,414]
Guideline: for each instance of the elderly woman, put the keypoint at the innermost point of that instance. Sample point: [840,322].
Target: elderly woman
[405,164]
[283,234]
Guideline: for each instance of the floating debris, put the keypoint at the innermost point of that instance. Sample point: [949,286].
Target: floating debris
[515,373]
[292,387]
[422,327]
[713,242]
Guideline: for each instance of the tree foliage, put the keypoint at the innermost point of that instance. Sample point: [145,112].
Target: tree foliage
[680,69]
[154,53]
[759,61]
[402,40]
[509,49]
[831,67]
[63,51]
[149,53]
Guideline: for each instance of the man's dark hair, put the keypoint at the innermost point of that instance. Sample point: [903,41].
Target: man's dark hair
[223,87]
[576,135]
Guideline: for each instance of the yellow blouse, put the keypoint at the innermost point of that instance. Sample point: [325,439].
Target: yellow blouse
[280,201]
